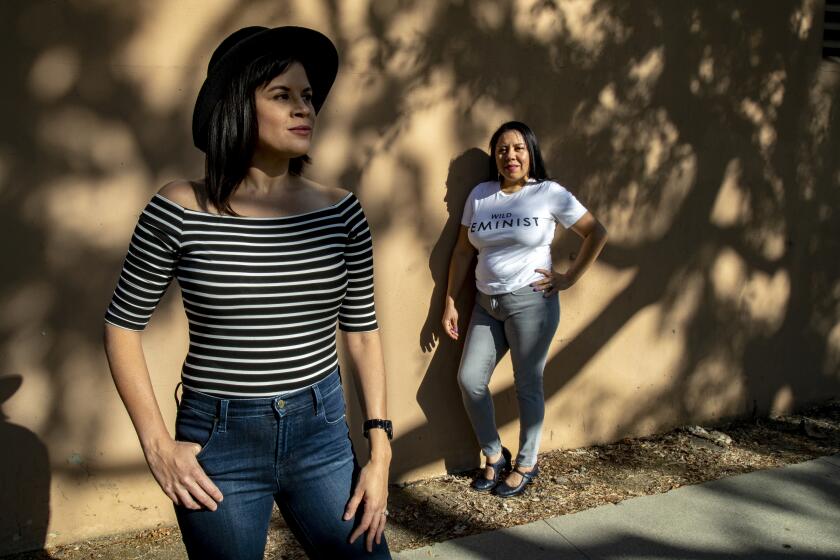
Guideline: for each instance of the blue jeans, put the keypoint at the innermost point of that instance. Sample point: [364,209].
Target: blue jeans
[294,450]
[523,321]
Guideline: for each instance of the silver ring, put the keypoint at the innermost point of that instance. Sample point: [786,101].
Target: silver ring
[385,513]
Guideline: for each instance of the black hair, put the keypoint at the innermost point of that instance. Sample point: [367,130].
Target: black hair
[233,132]
[537,168]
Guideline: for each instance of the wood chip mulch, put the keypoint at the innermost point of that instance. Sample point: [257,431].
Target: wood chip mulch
[573,480]
[445,507]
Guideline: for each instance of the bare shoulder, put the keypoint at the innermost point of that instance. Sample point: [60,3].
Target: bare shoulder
[182,192]
[332,195]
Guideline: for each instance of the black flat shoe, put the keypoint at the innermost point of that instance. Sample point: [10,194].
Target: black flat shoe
[505,491]
[502,465]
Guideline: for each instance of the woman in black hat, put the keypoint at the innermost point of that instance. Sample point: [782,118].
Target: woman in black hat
[268,263]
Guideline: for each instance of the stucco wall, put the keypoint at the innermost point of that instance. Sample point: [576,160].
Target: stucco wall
[703,134]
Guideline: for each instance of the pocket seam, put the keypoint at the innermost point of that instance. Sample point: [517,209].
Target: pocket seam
[210,439]
[336,421]
[329,422]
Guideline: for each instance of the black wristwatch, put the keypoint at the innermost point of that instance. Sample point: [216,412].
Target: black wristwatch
[378,423]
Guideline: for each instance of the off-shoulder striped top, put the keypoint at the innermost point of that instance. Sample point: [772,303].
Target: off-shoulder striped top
[262,295]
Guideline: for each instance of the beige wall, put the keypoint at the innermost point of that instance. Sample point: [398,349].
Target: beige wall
[703,134]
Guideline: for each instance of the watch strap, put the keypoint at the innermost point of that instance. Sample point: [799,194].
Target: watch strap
[380,424]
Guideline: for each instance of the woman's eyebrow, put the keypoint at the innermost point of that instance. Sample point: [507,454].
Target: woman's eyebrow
[287,88]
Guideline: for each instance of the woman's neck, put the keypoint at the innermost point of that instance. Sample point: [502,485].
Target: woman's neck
[514,186]
[266,175]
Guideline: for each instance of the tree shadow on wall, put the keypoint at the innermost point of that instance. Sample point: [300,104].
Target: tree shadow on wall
[645,114]
[24,481]
[446,430]
[655,145]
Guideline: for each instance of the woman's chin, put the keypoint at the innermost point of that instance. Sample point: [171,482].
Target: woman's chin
[282,152]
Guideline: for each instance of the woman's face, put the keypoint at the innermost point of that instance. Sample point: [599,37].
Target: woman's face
[512,158]
[285,115]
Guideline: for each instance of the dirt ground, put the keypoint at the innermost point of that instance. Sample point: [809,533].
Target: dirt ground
[571,480]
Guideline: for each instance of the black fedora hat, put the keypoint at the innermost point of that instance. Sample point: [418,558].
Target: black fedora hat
[312,48]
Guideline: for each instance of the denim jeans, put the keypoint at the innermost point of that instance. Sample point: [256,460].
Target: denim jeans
[523,321]
[293,450]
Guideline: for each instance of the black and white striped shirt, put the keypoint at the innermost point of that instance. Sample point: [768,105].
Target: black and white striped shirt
[831,30]
[262,295]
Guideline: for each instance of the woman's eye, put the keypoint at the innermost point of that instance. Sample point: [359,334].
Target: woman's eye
[281,96]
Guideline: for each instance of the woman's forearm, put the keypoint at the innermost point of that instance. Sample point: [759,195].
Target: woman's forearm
[590,248]
[131,377]
[172,463]
[459,265]
[365,350]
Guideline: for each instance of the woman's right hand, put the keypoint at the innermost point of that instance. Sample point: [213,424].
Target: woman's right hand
[450,321]
[179,475]
[173,463]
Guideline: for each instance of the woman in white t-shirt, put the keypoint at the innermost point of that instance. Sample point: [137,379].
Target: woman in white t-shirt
[510,221]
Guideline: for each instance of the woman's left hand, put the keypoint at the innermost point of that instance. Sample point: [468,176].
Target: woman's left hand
[553,282]
[372,490]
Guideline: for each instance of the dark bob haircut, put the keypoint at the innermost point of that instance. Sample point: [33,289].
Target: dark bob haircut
[233,133]
[537,170]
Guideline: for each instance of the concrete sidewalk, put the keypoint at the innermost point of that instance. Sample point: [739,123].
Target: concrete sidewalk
[791,512]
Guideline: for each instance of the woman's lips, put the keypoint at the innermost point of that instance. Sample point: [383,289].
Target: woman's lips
[301,130]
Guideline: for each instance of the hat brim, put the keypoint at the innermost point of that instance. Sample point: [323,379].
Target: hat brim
[312,48]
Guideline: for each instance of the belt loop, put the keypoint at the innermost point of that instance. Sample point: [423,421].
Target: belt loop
[177,400]
[222,421]
[317,397]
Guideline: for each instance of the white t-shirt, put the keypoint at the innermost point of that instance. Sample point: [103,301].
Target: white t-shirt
[513,232]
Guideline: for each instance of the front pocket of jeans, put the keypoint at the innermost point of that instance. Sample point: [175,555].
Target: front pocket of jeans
[334,407]
[196,427]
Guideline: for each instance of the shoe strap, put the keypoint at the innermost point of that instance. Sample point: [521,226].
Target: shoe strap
[527,475]
[503,461]
[497,467]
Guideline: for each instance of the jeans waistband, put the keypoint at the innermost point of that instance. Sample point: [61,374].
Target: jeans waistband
[310,398]
[525,290]
[494,301]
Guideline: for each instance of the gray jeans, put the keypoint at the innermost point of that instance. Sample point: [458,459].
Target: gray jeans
[523,321]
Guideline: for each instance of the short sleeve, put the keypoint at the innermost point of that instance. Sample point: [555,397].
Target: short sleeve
[358,312]
[565,208]
[469,209]
[149,265]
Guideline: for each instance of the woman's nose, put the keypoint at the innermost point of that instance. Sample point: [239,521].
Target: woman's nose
[302,109]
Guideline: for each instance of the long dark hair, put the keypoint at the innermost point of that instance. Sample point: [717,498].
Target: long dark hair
[233,133]
[537,170]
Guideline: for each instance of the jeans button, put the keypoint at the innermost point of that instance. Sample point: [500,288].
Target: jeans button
[281,403]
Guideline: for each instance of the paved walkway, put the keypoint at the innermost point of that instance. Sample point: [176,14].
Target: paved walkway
[791,512]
